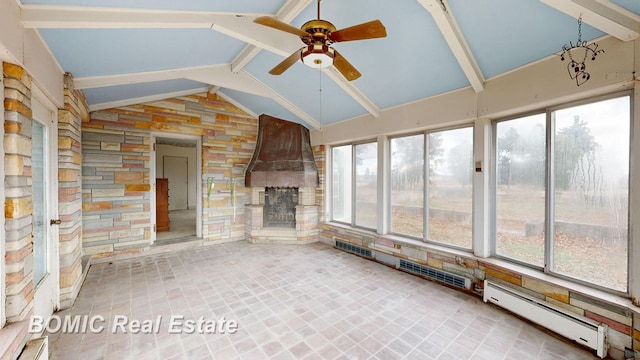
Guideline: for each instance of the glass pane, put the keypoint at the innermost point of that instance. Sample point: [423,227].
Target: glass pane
[450,186]
[341,189]
[591,166]
[407,185]
[39,188]
[520,188]
[366,185]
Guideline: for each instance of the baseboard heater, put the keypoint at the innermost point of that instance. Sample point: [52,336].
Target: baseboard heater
[575,327]
[36,349]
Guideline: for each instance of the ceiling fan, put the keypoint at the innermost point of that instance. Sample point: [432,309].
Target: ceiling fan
[318,35]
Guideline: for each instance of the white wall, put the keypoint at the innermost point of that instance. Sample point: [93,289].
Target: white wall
[25,47]
[188,152]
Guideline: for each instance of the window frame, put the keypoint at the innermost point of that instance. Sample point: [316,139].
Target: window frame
[493,231]
[330,182]
[353,183]
[550,188]
[425,192]
[426,195]
[354,194]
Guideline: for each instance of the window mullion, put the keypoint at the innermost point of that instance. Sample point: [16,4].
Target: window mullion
[425,190]
[633,279]
[353,185]
[549,193]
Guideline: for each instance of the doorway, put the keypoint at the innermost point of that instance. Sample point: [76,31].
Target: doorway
[176,159]
[44,187]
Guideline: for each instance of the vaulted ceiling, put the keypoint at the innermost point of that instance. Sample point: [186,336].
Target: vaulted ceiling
[124,52]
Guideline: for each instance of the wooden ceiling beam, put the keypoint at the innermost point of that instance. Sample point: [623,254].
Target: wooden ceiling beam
[603,15]
[287,13]
[452,34]
[238,26]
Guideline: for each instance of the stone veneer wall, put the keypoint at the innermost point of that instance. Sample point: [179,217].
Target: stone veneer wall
[116,167]
[70,118]
[636,333]
[18,194]
[624,324]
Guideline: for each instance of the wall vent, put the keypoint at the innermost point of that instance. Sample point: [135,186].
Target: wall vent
[354,249]
[436,274]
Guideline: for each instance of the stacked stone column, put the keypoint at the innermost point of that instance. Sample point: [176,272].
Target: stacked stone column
[18,194]
[70,191]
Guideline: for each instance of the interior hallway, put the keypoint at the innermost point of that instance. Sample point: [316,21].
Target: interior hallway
[182,226]
[294,302]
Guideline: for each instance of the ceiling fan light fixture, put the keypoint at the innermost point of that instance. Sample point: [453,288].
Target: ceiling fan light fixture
[318,35]
[317,56]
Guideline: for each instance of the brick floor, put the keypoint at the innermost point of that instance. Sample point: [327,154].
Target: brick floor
[292,302]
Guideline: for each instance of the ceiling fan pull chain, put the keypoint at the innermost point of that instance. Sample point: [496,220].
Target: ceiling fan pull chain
[320,72]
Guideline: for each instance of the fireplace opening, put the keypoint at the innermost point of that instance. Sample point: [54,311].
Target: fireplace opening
[280,207]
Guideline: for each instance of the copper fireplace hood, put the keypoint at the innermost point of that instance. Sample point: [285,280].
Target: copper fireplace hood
[283,156]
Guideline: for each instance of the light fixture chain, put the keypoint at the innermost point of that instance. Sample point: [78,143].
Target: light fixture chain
[578,70]
[580,29]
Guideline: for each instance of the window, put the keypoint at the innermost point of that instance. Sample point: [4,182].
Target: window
[366,185]
[450,187]
[341,186]
[450,162]
[407,185]
[355,184]
[520,188]
[591,192]
[564,206]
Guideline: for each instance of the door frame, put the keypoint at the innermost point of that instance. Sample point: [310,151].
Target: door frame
[46,298]
[152,178]
[3,295]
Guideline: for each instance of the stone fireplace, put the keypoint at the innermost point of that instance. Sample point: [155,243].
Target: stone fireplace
[283,178]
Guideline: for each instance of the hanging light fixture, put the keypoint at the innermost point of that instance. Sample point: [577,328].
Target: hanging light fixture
[317,56]
[577,55]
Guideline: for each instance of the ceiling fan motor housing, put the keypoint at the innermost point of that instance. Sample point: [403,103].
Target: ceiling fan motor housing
[318,31]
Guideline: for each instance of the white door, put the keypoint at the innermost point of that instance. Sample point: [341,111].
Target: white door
[44,150]
[176,169]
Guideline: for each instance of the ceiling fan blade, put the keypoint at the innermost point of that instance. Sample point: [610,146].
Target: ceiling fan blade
[279,25]
[286,63]
[369,30]
[346,69]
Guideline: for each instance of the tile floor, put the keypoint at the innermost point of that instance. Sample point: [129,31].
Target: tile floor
[293,302]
